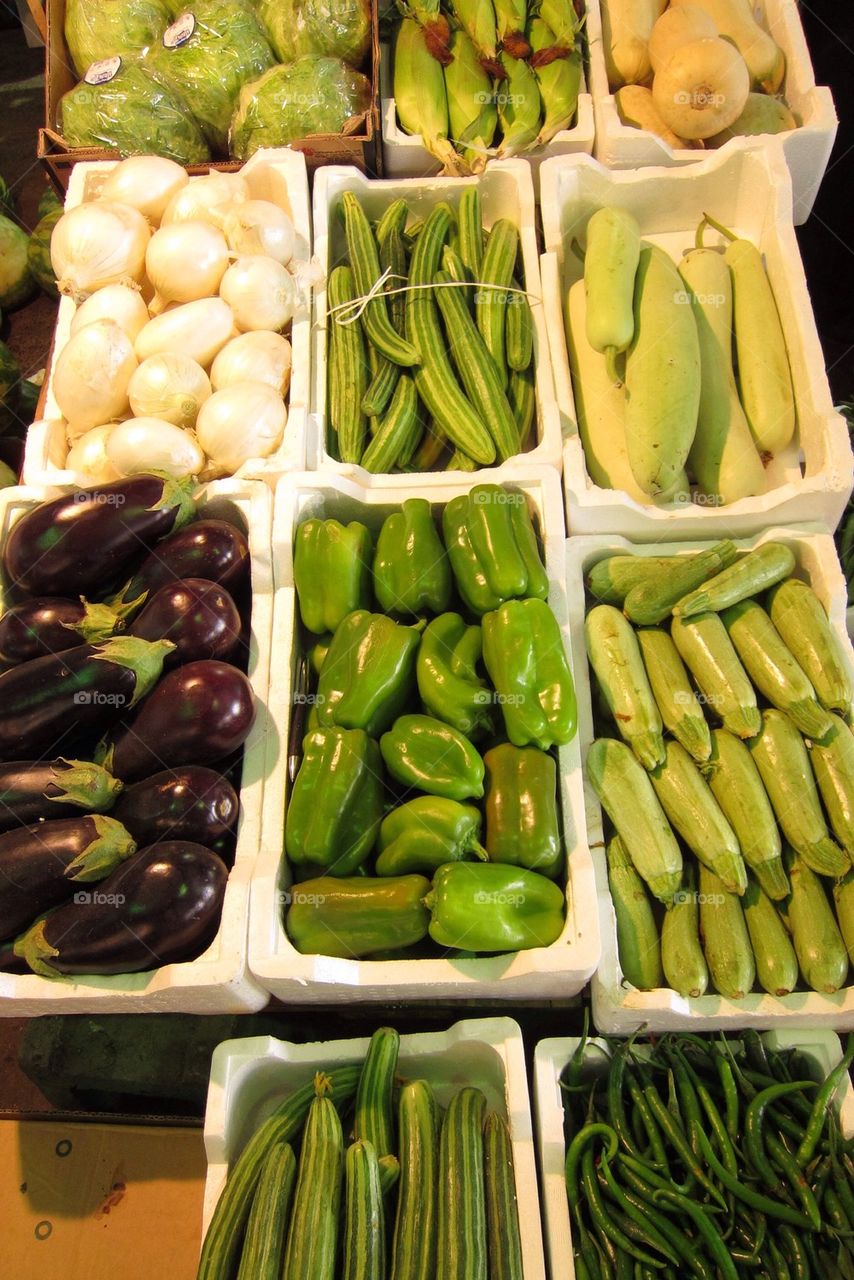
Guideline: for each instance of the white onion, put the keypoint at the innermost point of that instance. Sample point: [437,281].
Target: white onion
[260,292]
[91,376]
[169,386]
[254,357]
[117,302]
[97,244]
[207,199]
[87,456]
[185,261]
[259,226]
[195,329]
[150,444]
[246,420]
[146,183]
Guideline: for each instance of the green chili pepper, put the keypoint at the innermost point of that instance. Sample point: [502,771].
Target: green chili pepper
[332,572]
[604,1220]
[707,1230]
[489,907]
[427,833]
[448,682]
[677,1140]
[336,802]
[640,1195]
[574,1153]
[730,1091]
[648,1222]
[525,658]
[432,756]
[772,1208]
[412,575]
[753,1121]
[796,1254]
[785,1161]
[369,673]
[822,1104]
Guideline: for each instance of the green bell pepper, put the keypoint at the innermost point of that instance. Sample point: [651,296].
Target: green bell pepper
[448,681]
[425,833]
[411,571]
[522,825]
[336,803]
[316,653]
[368,675]
[525,658]
[434,757]
[488,907]
[493,548]
[332,572]
[356,917]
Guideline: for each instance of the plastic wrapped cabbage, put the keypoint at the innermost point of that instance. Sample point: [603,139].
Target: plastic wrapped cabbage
[94,30]
[312,95]
[207,55]
[131,112]
[334,28]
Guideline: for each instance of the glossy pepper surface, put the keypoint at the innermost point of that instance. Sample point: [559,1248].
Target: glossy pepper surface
[332,572]
[425,833]
[432,756]
[337,801]
[449,684]
[368,674]
[357,916]
[488,907]
[493,548]
[522,825]
[526,661]
[412,575]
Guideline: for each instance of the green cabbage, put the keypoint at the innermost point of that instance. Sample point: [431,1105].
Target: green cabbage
[134,114]
[96,29]
[227,49]
[312,95]
[335,28]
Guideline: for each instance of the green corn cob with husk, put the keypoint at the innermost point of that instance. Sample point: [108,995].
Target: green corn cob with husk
[477,19]
[420,96]
[519,107]
[433,23]
[558,72]
[511,17]
[471,107]
[560,17]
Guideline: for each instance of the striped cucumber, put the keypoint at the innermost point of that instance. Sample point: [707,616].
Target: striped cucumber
[365,264]
[460,461]
[395,260]
[348,369]
[615,656]
[461,1245]
[471,230]
[523,402]
[454,266]
[313,1233]
[263,1246]
[736,785]
[389,1171]
[776,962]
[384,376]
[749,575]
[414,1248]
[374,1119]
[637,933]
[652,601]
[392,218]
[610,266]
[503,1239]
[799,616]
[773,669]
[819,946]
[490,302]
[682,959]
[396,429]
[833,765]
[726,942]
[518,331]
[680,711]
[627,796]
[708,653]
[611,579]
[843,898]
[364,1220]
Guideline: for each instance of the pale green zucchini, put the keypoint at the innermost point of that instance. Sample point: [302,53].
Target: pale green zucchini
[736,785]
[680,711]
[800,617]
[693,811]
[843,898]
[726,942]
[611,579]
[637,933]
[776,962]
[614,655]
[652,601]
[708,653]
[819,946]
[833,765]
[749,575]
[682,958]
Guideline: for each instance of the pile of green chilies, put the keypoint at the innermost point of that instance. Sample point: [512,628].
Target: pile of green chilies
[709,1157]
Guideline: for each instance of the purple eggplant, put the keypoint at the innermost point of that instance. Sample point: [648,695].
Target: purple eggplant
[211,549]
[188,803]
[41,865]
[196,715]
[51,624]
[199,617]
[160,907]
[34,789]
[81,542]
[88,688]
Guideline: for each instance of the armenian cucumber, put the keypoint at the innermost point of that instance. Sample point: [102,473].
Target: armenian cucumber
[263,1246]
[374,1119]
[313,1233]
[461,1247]
[364,1221]
[414,1245]
[503,1238]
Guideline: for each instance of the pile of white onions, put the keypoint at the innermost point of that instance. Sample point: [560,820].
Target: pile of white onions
[176,359]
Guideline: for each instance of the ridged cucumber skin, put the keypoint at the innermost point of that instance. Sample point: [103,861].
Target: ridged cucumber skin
[819,945]
[490,306]
[522,396]
[832,761]
[389,1167]
[611,579]
[784,766]
[615,656]
[637,933]
[364,1220]
[652,601]
[692,809]
[221,1247]
[843,898]
[374,1118]
[263,1246]
[747,576]
[518,332]
[736,785]
[461,1249]
[800,618]
[348,371]
[627,796]
[414,1247]
[470,222]
[503,1237]
[708,653]
[312,1246]
[764,376]
[397,427]
[682,959]
[776,962]
[680,711]
[365,264]
[610,266]
[726,942]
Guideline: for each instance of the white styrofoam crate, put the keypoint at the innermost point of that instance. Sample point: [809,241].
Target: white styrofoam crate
[506,192]
[405,156]
[218,981]
[617,1005]
[806,150]
[550,1059]
[559,970]
[278,175]
[746,188]
[249,1078]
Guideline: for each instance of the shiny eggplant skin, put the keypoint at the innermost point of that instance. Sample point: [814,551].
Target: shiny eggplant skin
[187,803]
[211,549]
[35,789]
[79,543]
[160,907]
[199,617]
[51,624]
[197,714]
